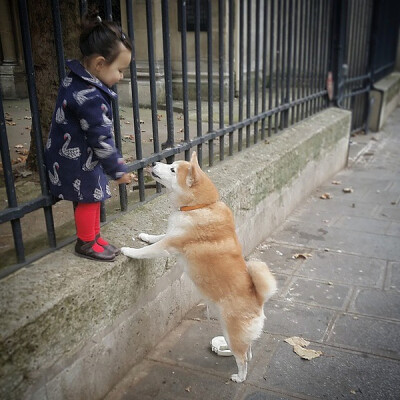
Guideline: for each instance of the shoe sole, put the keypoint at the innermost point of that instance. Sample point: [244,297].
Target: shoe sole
[93,259]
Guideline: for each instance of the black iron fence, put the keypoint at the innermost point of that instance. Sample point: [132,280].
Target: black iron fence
[246,71]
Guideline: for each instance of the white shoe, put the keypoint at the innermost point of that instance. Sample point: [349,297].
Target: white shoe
[219,346]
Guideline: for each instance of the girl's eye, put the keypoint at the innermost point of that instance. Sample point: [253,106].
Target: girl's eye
[173,170]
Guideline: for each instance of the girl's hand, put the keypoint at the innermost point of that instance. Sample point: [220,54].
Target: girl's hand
[126,178]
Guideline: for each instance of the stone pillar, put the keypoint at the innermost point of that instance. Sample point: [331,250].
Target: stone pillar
[7,34]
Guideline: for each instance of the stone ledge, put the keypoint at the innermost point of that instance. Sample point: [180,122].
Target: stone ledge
[72,328]
[386,97]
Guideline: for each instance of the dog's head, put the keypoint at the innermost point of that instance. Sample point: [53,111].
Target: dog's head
[186,181]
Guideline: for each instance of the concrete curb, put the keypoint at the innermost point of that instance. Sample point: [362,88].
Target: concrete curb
[71,329]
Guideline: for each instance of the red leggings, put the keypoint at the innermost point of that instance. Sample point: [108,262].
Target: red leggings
[87,221]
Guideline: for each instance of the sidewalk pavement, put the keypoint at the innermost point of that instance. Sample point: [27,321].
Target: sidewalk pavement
[343,297]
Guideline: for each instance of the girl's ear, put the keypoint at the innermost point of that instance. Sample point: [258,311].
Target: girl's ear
[98,63]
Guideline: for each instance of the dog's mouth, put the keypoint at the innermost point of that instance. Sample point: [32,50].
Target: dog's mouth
[155,175]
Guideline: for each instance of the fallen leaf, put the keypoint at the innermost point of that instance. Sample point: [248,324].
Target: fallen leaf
[19,146]
[325,196]
[306,354]
[299,341]
[10,123]
[336,182]
[188,389]
[348,190]
[26,117]
[299,347]
[127,122]
[304,256]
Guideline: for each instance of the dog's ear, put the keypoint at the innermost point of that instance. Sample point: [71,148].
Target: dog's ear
[193,159]
[194,170]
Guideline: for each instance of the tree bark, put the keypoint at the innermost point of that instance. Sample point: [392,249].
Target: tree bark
[45,60]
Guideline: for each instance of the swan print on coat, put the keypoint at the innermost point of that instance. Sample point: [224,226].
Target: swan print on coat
[80,96]
[77,188]
[60,115]
[106,149]
[98,193]
[67,81]
[106,121]
[89,164]
[71,153]
[84,124]
[54,179]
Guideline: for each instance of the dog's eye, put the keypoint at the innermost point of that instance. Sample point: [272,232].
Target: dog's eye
[173,170]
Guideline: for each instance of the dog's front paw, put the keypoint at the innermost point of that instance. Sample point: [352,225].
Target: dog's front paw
[236,378]
[128,251]
[144,237]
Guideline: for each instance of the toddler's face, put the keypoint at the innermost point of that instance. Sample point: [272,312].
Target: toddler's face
[111,74]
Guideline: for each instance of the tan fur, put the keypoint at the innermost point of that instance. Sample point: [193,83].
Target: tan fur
[207,241]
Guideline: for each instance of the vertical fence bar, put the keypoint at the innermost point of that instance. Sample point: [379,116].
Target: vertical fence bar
[316,55]
[185,97]
[123,194]
[256,68]
[10,185]
[296,57]
[289,61]
[168,77]
[241,62]
[33,100]
[55,10]
[248,75]
[271,62]
[135,100]
[264,69]
[300,79]
[210,83]
[198,79]
[231,81]
[152,76]
[284,68]
[278,63]
[309,25]
[221,51]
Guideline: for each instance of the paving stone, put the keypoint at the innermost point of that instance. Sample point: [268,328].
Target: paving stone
[317,293]
[319,237]
[376,336]
[362,224]
[344,268]
[384,304]
[393,229]
[394,281]
[335,375]
[291,319]
[172,382]
[258,394]
[279,257]
[189,346]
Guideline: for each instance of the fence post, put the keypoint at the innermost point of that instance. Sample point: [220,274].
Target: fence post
[339,23]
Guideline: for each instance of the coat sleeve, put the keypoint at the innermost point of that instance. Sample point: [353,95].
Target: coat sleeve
[97,126]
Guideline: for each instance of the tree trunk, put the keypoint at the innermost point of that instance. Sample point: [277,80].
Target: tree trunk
[45,60]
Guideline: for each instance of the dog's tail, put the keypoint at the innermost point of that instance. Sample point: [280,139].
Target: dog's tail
[264,282]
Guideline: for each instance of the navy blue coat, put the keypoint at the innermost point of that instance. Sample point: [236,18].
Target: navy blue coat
[80,150]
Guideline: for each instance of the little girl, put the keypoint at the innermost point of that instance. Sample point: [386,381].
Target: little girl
[80,150]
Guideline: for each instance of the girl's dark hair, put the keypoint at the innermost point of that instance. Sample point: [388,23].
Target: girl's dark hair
[101,37]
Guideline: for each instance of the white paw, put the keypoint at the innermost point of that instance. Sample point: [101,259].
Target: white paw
[236,378]
[144,237]
[124,250]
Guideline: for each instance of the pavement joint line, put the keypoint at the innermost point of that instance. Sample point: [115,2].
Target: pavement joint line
[322,250]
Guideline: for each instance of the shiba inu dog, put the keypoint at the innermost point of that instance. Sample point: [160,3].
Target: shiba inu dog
[202,232]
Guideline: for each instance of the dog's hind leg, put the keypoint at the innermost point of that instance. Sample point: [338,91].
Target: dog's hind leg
[249,354]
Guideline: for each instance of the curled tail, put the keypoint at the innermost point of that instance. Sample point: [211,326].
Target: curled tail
[263,280]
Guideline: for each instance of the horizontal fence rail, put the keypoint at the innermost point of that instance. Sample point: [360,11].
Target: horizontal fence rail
[233,73]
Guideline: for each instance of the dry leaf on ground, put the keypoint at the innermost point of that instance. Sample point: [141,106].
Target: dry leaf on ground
[302,255]
[299,347]
[336,182]
[325,196]
[348,190]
